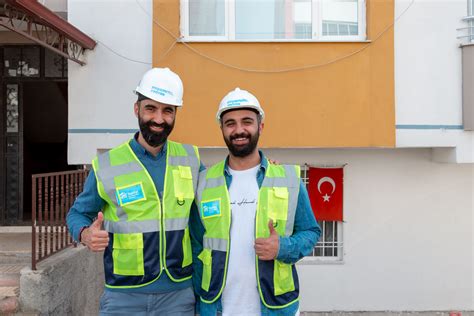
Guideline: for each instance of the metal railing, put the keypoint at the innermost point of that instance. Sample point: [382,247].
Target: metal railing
[468,31]
[52,196]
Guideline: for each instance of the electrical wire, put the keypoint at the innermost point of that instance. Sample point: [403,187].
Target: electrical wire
[122,56]
[253,70]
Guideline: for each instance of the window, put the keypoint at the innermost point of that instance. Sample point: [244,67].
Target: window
[273,20]
[330,245]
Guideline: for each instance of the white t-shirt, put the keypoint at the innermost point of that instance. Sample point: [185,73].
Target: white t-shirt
[240,295]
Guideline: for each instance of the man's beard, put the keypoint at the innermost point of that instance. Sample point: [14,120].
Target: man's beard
[154,139]
[243,150]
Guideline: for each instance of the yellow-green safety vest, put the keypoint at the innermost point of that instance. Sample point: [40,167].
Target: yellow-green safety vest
[277,200]
[146,236]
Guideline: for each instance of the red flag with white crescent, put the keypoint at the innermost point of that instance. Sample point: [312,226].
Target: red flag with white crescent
[325,189]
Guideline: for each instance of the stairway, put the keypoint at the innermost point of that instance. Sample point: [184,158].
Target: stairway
[15,254]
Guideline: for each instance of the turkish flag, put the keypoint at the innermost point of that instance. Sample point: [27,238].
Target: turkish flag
[325,189]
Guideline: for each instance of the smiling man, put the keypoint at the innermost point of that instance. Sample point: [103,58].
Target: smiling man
[254,223]
[140,195]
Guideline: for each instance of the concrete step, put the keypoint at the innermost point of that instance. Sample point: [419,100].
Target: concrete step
[15,257]
[9,305]
[9,288]
[10,274]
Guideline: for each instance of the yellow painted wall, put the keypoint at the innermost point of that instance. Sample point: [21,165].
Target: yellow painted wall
[349,103]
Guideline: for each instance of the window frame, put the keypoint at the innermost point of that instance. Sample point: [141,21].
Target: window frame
[316,26]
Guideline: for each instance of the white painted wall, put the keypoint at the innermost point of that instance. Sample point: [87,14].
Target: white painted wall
[407,232]
[428,68]
[55,5]
[100,93]
[428,77]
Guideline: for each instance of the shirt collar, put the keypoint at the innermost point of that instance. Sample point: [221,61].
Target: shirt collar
[263,164]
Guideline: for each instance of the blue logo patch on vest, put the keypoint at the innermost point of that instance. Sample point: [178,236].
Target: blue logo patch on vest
[130,194]
[211,208]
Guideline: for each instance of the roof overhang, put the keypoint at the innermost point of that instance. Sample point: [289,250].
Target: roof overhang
[34,21]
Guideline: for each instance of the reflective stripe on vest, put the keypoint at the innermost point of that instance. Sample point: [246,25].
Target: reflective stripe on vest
[278,197]
[137,221]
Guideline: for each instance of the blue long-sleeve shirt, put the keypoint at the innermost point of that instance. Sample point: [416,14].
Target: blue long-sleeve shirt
[89,203]
[305,235]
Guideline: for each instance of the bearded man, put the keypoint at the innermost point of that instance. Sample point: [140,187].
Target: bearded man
[135,207]
[254,222]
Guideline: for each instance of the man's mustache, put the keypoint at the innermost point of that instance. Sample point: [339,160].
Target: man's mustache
[242,135]
[154,124]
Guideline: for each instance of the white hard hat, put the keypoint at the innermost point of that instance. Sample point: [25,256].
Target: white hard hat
[161,85]
[239,99]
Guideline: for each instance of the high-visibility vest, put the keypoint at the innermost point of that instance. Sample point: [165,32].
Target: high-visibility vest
[146,236]
[277,200]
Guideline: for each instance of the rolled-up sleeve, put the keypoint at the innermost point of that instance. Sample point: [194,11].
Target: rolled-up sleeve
[306,232]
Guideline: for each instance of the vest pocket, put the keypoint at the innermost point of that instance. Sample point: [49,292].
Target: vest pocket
[127,254]
[206,257]
[283,278]
[183,188]
[187,252]
[278,204]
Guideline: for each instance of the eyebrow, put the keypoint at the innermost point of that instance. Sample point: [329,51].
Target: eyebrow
[247,118]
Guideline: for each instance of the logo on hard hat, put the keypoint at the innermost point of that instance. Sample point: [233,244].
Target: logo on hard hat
[236,102]
[160,91]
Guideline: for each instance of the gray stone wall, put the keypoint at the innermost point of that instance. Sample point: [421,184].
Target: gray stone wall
[68,283]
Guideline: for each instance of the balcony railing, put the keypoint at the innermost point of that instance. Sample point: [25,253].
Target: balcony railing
[52,196]
[467,33]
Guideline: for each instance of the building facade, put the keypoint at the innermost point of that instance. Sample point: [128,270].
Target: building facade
[380,87]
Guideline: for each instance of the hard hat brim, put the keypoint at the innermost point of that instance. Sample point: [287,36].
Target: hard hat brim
[239,107]
[154,98]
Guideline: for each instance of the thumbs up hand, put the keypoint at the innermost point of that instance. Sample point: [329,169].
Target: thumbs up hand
[94,237]
[267,248]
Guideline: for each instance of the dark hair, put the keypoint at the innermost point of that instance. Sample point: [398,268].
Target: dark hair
[141,97]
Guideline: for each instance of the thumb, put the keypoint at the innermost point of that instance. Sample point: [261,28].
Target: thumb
[271,228]
[97,224]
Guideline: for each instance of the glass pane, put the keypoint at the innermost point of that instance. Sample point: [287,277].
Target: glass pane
[340,17]
[53,64]
[206,17]
[328,231]
[11,59]
[30,61]
[272,19]
[12,109]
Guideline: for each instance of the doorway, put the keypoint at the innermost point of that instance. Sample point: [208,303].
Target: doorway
[33,114]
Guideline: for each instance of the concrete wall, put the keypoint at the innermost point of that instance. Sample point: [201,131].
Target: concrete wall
[407,232]
[428,78]
[100,93]
[68,283]
[428,70]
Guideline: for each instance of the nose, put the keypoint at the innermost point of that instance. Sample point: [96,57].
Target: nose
[158,117]
[239,128]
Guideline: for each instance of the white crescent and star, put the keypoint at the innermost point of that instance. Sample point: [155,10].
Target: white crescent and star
[326,197]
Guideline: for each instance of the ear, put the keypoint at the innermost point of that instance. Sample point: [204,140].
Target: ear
[135,108]
[260,128]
